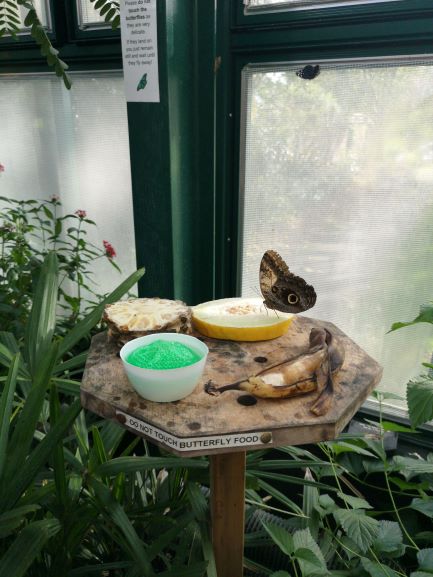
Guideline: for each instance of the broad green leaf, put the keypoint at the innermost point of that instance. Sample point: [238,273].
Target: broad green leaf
[377,569]
[285,464]
[425,316]
[25,476]
[57,453]
[361,529]
[310,500]
[425,559]
[290,479]
[197,501]
[193,570]
[326,505]
[280,537]
[309,556]
[6,402]
[355,502]
[132,464]
[199,505]
[279,496]
[421,574]
[420,400]
[280,574]
[389,426]
[389,538]
[99,569]
[384,395]
[303,542]
[27,546]
[344,447]
[424,506]
[12,519]
[76,362]
[424,536]
[42,320]
[163,541]
[111,508]
[410,467]
[83,327]
[26,424]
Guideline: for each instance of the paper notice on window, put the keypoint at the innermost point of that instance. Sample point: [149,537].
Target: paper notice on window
[140,50]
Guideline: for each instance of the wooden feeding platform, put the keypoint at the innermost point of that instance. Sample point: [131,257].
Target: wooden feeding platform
[221,427]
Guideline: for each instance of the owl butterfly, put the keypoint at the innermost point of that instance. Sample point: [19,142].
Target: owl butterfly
[281,289]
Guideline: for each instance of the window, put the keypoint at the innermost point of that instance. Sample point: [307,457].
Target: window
[71,143]
[335,172]
[338,179]
[88,17]
[302,4]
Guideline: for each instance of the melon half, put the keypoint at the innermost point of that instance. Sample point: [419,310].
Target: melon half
[239,319]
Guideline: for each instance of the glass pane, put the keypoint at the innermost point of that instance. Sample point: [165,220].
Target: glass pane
[88,16]
[43,11]
[73,144]
[338,174]
[287,4]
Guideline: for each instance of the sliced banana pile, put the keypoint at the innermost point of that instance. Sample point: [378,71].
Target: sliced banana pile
[127,320]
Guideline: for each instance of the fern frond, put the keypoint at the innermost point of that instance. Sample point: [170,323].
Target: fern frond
[110,10]
[39,34]
[10,19]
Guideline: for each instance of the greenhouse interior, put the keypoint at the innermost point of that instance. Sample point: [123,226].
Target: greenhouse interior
[216,288]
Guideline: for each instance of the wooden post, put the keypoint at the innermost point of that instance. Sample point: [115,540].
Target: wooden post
[228,512]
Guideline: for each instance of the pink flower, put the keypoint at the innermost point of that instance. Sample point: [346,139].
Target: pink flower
[109,250]
[81,213]
[2,168]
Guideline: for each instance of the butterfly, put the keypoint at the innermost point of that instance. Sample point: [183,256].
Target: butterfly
[308,72]
[281,289]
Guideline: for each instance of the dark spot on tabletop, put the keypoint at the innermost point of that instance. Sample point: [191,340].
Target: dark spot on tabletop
[132,404]
[171,424]
[142,405]
[260,359]
[121,419]
[117,398]
[247,400]
[194,426]
[298,415]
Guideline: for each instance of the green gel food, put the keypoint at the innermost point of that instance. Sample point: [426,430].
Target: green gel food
[162,355]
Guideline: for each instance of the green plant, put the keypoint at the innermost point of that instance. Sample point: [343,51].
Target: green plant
[419,392]
[10,24]
[359,512]
[30,229]
[80,496]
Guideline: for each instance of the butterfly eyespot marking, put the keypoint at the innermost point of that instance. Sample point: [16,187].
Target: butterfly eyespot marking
[292,299]
[274,289]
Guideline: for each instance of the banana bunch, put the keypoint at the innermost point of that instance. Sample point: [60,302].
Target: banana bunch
[310,371]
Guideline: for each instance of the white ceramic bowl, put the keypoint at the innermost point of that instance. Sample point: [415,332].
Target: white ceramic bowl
[165,385]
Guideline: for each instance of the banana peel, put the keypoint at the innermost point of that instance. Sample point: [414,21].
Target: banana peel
[312,370]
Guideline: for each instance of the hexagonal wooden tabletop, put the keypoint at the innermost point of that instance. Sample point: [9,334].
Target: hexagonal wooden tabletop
[202,424]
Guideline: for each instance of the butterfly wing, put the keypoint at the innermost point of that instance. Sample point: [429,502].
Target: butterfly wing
[281,289]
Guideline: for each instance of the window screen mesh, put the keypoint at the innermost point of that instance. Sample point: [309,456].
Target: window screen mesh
[286,4]
[87,14]
[73,144]
[42,10]
[338,178]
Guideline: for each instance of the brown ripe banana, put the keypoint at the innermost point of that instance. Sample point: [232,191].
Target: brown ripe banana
[310,371]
